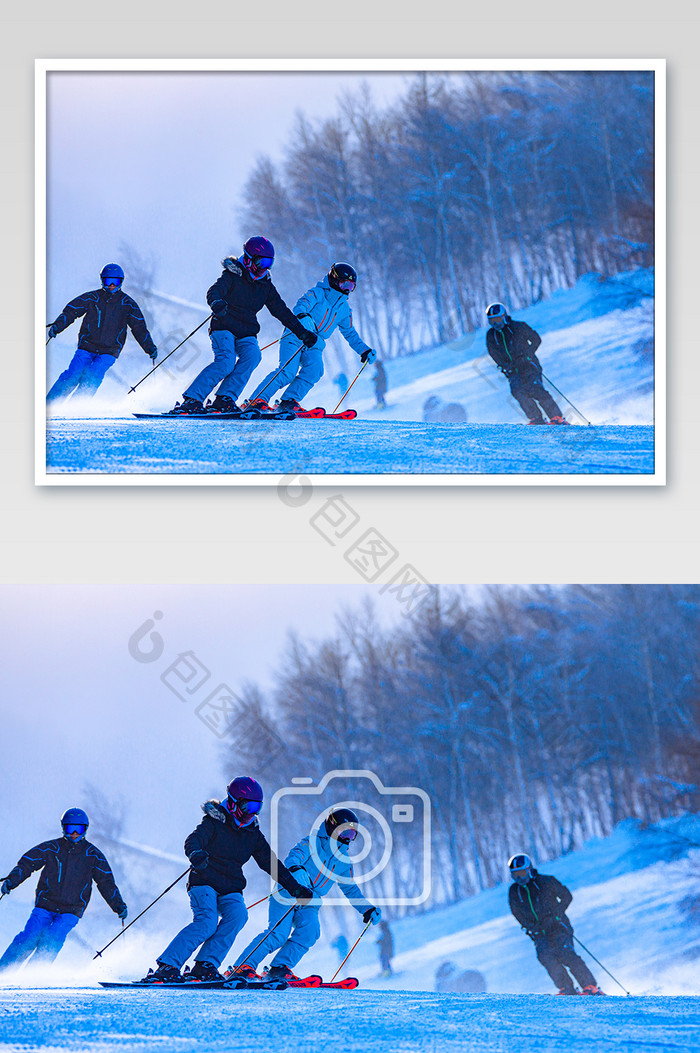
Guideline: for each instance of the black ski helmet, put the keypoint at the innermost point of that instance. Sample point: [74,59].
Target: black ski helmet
[112,274]
[342,823]
[342,277]
[244,800]
[496,314]
[521,868]
[75,817]
[258,256]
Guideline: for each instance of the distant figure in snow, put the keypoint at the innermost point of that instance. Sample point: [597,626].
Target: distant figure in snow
[106,313]
[512,346]
[539,903]
[69,865]
[385,943]
[436,411]
[381,384]
[236,298]
[322,310]
[449,977]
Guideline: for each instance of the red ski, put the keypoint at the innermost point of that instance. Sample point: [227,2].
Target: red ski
[320,414]
[316,981]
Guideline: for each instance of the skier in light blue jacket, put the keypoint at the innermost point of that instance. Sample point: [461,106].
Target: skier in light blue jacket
[317,861]
[322,309]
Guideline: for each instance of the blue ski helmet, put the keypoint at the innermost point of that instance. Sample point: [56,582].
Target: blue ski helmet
[258,256]
[74,820]
[496,315]
[244,799]
[521,868]
[112,274]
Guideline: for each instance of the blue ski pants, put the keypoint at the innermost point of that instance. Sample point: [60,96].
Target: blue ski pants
[304,370]
[294,936]
[235,358]
[217,921]
[43,936]
[84,374]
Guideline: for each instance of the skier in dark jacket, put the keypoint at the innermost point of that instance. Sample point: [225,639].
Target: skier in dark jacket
[386,948]
[106,313]
[539,903]
[512,346]
[243,289]
[226,838]
[68,865]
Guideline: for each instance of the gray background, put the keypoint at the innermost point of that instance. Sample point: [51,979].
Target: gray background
[497,534]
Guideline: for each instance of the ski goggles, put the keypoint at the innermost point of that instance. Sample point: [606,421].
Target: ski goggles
[243,806]
[521,876]
[112,281]
[75,828]
[259,265]
[346,285]
[347,835]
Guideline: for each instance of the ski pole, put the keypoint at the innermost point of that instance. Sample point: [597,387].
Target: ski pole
[258,901]
[600,964]
[365,928]
[568,400]
[124,928]
[358,373]
[281,368]
[260,942]
[169,354]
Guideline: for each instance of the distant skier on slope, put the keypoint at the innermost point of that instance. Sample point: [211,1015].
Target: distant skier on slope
[106,313]
[381,385]
[226,838]
[236,298]
[539,903]
[512,346]
[322,309]
[301,928]
[69,865]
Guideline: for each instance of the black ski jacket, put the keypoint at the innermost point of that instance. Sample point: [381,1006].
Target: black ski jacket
[245,298]
[513,347]
[229,847]
[68,870]
[540,905]
[106,317]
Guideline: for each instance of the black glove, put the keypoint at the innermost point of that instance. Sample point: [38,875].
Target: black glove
[309,338]
[153,355]
[6,888]
[368,356]
[302,893]
[199,859]
[219,308]
[508,373]
[53,331]
[122,914]
[372,914]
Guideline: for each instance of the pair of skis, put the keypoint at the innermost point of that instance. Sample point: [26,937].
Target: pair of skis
[234,983]
[318,413]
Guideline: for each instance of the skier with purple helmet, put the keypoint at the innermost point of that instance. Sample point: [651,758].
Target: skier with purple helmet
[226,838]
[236,298]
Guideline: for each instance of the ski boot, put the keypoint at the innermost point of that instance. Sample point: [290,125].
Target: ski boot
[187,407]
[558,419]
[537,420]
[221,404]
[567,991]
[288,405]
[592,989]
[247,972]
[164,974]
[202,972]
[259,404]
[279,972]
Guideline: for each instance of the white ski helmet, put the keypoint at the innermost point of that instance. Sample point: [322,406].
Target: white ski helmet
[520,868]
[496,314]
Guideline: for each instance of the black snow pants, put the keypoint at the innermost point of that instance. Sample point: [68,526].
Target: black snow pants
[555,951]
[527,389]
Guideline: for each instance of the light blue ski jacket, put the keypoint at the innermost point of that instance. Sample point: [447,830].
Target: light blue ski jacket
[336,861]
[323,310]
